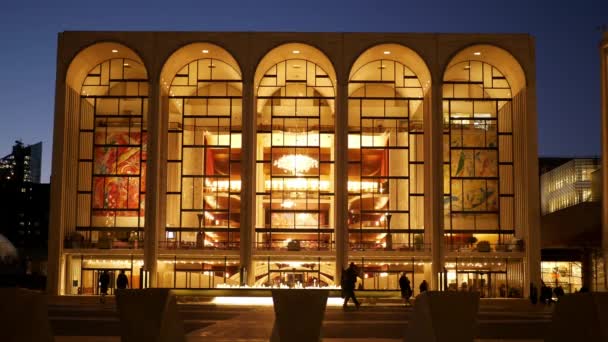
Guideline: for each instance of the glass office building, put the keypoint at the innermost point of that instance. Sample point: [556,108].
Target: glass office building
[193,160]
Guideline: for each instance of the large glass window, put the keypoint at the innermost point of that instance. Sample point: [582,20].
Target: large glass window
[478,156]
[112,153]
[385,158]
[204,156]
[295,157]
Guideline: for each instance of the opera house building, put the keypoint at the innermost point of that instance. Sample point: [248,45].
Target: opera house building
[212,159]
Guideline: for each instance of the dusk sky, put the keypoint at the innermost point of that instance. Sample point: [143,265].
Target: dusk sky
[567,56]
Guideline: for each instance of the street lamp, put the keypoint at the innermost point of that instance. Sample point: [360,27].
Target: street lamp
[201,232]
[389,237]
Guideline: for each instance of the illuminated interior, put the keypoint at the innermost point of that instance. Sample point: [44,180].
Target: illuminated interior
[295,150]
[385,150]
[478,153]
[203,100]
[567,185]
[112,140]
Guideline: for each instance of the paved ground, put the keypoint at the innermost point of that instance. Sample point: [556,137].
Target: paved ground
[87,320]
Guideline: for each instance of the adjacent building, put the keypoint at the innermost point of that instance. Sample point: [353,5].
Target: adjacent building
[194,159]
[571,228]
[23,164]
[604,183]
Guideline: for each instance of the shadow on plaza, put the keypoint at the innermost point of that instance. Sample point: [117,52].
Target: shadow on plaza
[495,319]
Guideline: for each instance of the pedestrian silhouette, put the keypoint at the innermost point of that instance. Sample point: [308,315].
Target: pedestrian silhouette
[424,286]
[104,281]
[121,281]
[406,289]
[349,279]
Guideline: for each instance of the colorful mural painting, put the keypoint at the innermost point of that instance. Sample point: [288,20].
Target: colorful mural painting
[119,168]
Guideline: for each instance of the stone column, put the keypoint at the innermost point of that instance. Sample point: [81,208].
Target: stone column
[604,95]
[433,179]
[341,180]
[60,140]
[153,180]
[247,228]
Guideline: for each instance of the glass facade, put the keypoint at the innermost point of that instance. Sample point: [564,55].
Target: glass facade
[568,185]
[204,156]
[112,144]
[332,159]
[385,158]
[478,156]
[295,158]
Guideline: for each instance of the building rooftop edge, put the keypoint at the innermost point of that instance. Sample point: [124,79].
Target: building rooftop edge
[523,34]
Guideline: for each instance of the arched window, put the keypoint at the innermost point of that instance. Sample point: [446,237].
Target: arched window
[112,151]
[478,154]
[204,154]
[295,156]
[385,157]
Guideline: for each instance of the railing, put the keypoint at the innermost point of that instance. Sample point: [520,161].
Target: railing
[185,245]
[482,247]
[295,245]
[394,247]
[102,244]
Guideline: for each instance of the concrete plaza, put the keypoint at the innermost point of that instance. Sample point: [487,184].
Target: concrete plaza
[85,319]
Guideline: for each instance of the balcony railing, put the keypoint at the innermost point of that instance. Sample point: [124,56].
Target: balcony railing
[295,245]
[482,247]
[185,245]
[395,247]
[103,244]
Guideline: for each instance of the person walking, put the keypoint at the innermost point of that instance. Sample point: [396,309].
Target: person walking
[406,289]
[348,287]
[104,282]
[122,282]
[424,286]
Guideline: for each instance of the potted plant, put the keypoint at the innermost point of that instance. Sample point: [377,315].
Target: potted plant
[418,242]
[105,241]
[483,246]
[471,240]
[75,240]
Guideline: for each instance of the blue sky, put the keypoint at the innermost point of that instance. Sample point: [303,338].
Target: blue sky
[566,36]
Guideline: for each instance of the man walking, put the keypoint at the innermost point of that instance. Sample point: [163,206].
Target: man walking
[349,281]
[406,288]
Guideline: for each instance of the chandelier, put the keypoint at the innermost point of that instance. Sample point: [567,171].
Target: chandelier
[296,163]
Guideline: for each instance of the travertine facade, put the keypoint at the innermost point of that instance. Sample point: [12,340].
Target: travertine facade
[265,158]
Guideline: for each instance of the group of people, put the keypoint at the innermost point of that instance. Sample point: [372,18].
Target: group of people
[349,280]
[406,288]
[122,282]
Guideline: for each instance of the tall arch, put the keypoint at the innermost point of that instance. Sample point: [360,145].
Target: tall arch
[202,100]
[484,116]
[386,113]
[107,105]
[295,103]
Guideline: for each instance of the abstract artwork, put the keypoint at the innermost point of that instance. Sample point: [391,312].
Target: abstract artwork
[119,174]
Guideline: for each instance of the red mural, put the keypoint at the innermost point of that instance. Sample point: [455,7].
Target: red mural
[117,166]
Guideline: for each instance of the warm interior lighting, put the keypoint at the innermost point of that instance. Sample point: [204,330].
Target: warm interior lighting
[205,51]
[296,163]
[295,52]
[477,53]
[126,64]
[288,204]
[294,184]
[114,51]
[387,52]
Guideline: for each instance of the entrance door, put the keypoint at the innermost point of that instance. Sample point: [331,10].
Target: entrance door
[488,284]
[294,278]
[90,280]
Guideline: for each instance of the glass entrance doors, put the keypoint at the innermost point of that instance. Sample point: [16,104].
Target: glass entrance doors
[490,284]
[90,280]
